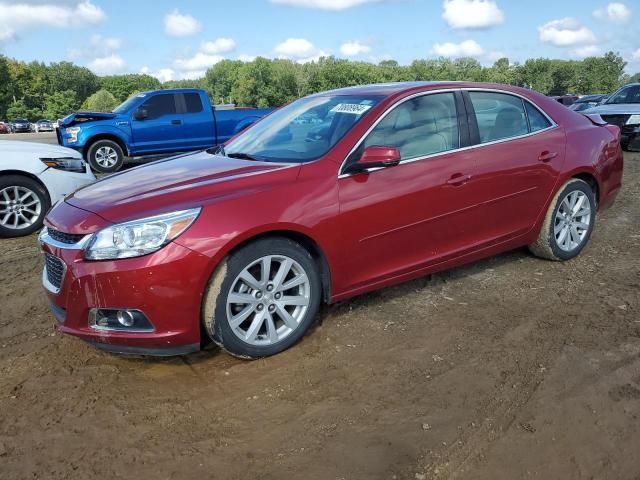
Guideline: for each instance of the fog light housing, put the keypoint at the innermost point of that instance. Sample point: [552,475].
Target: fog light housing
[119,320]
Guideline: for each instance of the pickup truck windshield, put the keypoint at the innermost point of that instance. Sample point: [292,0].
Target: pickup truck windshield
[124,106]
[302,131]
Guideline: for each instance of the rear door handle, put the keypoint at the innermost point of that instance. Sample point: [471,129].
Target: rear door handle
[547,156]
[458,179]
[176,122]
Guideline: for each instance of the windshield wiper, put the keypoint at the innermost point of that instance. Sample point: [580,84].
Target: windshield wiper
[217,150]
[242,156]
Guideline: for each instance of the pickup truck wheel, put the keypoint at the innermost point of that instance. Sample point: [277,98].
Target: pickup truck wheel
[105,156]
[23,205]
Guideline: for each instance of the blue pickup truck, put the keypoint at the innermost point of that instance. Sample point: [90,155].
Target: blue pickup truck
[153,123]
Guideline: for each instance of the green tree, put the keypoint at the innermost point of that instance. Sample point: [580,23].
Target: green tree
[67,76]
[123,86]
[20,109]
[5,87]
[60,104]
[101,101]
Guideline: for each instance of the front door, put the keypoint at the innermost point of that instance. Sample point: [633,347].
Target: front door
[161,130]
[419,212]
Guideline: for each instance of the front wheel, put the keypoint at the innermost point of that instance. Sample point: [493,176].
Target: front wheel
[262,299]
[105,156]
[568,224]
[23,205]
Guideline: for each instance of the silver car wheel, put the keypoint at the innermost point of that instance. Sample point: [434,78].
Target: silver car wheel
[572,221]
[20,207]
[106,157]
[268,300]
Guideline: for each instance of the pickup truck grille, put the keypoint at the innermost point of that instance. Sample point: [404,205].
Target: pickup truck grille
[54,270]
[68,238]
[617,120]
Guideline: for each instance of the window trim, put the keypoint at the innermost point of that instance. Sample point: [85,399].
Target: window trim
[553,125]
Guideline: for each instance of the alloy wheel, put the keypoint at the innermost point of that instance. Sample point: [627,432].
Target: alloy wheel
[106,157]
[572,221]
[20,207]
[268,300]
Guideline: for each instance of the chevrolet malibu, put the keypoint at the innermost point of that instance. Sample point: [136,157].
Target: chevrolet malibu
[241,244]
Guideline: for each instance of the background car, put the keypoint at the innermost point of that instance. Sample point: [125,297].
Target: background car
[622,109]
[566,99]
[20,126]
[587,101]
[34,176]
[43,126]
[4,128]
[243,242]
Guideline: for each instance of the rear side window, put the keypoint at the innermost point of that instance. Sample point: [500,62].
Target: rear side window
[419,127]
[537,121]
[193,102]
[498,115]
[159,105]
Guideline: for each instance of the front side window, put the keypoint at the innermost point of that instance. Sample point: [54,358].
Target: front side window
[303,130]
[419,127]
[498,115]
[159,105]
[626,95]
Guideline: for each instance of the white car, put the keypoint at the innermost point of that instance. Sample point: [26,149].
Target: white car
[33,177]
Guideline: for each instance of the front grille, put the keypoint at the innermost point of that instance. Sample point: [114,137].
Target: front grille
[54,269]
[617,120]
[68,238]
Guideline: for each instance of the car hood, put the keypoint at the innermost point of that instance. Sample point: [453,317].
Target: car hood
[41,150]
[86,116]
[615,109]
[177,183]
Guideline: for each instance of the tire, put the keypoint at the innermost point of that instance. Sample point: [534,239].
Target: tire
[105,156]
[26,216]
[556,238]
[265,324]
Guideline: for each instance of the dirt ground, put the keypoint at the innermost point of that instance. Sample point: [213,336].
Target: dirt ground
[512,367]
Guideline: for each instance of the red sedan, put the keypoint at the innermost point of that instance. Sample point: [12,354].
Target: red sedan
[334,195]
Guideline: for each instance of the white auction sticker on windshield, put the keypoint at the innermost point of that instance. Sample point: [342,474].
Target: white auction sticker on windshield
[354,108]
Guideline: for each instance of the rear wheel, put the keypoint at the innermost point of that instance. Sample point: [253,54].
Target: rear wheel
[105,156]
[568,224]
[262,299]
[23,205]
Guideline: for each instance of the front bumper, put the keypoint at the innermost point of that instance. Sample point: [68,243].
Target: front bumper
[630,138]
[61,183]
[167,286]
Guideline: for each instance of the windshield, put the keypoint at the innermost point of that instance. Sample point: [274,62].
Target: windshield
[626,95]
[304,130]
[124,106]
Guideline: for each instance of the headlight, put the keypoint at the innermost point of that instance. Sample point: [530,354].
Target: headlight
[633,120]
[73,134]
[67,163]
[139,237]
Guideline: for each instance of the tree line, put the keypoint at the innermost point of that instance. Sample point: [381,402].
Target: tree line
[36,90]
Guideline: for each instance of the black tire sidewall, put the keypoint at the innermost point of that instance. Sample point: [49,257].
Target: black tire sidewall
[224,336]
[571,187]
[43,196]
[91,154]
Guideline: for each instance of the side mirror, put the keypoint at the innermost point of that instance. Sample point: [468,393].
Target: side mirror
[376,157]
[141,114]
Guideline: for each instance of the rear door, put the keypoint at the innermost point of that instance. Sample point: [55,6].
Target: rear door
[160,131]
[519,152]
[197,129]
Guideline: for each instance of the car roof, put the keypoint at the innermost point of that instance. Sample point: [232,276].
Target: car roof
[394,88]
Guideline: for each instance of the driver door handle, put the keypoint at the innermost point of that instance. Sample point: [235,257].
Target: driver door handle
[176,122]
[458,179]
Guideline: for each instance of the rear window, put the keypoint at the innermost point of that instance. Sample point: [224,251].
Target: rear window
[193,102]
[498,115]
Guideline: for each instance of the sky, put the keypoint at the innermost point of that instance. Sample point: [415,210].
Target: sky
[173,39]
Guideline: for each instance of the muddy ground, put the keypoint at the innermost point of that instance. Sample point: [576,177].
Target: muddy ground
[512,367]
